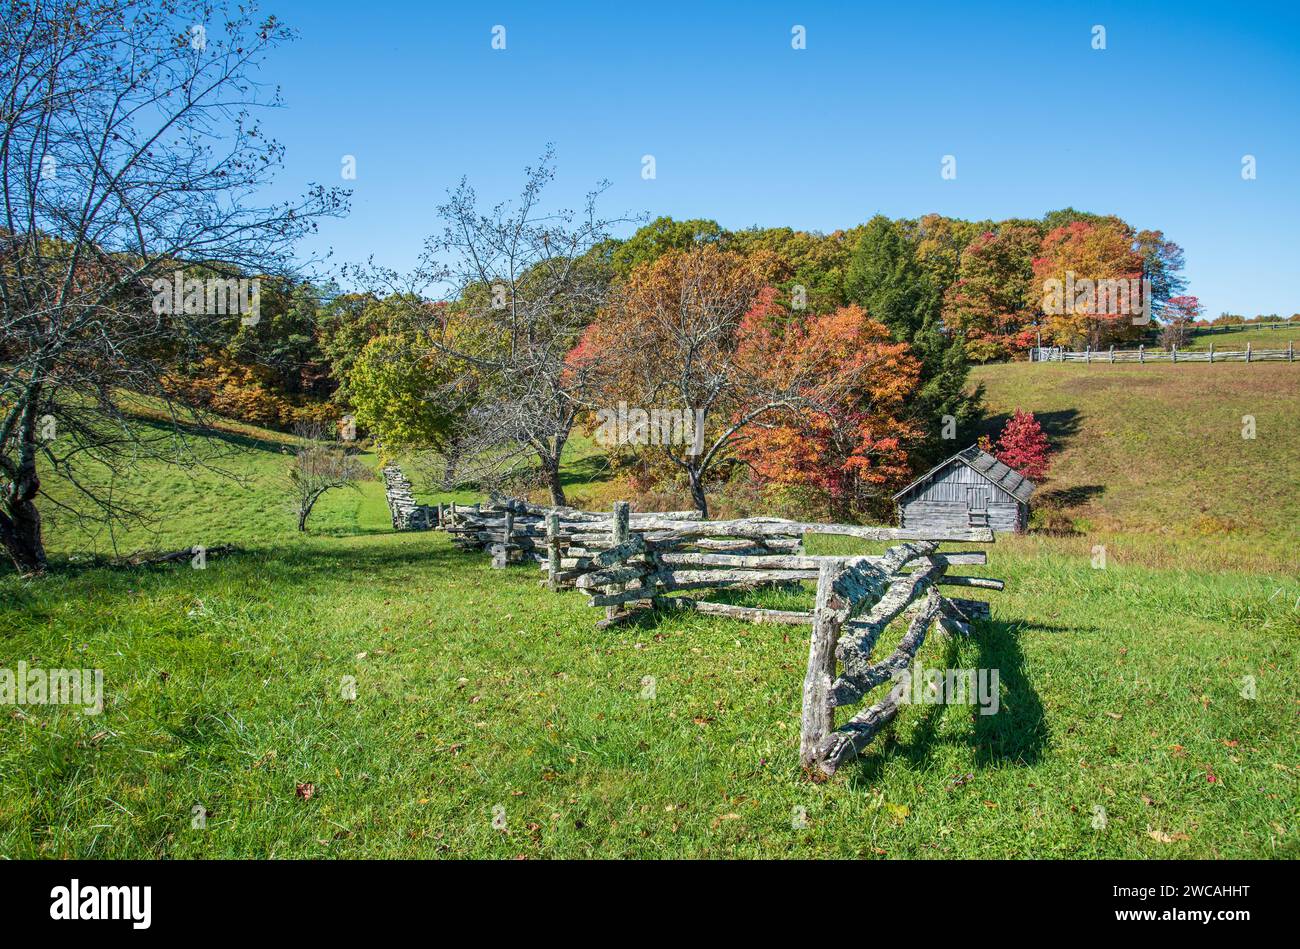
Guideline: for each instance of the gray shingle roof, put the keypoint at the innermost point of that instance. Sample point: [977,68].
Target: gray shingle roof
[992,470]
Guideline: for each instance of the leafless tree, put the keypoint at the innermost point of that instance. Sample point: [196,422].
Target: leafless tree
[522,283]
[321,466]
[1175,333]
[129,151]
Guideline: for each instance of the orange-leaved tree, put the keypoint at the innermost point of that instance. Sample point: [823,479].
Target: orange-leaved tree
[666,345]
[986,304]
[1087,283]
[847,435]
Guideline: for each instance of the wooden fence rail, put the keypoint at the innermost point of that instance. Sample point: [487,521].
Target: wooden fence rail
[628,563]
[1144,355]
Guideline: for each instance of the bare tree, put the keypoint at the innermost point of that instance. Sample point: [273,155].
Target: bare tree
[522,284]
[320,466]
[128,153]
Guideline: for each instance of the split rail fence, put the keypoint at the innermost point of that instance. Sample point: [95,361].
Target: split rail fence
[1144,355]
[628,563]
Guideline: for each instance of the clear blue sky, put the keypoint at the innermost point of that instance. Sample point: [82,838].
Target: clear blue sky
[746,130]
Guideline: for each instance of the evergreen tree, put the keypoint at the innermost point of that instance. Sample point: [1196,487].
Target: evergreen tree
[885,279]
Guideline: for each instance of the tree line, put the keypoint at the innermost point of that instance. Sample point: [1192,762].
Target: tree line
[830,367]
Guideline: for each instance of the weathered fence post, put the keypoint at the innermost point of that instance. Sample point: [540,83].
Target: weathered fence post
[1175,353]
[502,556]
[621,529]
[1248,352]
[1211,350]
[553,548]
[1290,351]
[1142,352]
[1087,354]
[818,719]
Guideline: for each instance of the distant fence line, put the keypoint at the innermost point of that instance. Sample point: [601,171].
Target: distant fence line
[1232,327]
[1174,355]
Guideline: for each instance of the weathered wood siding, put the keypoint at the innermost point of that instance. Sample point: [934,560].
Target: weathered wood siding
[923,514]
[945,502]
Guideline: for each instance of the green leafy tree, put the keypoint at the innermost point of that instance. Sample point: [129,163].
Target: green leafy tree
[348,323]
[886,281]
[409,395]
[658,237]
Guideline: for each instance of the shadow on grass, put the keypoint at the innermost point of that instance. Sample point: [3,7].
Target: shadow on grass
[1068,497]
[585,471]
[200,431]
[1059,426]
[1052,507]
[1016,734]
[293,566]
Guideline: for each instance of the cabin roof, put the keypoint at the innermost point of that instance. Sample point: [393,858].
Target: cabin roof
[988,467]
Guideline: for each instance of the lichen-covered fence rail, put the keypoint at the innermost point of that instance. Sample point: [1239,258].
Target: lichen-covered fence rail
[629,563]
[857,599]
[514,531]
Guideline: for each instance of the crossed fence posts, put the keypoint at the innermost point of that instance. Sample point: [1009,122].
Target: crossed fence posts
[626,564]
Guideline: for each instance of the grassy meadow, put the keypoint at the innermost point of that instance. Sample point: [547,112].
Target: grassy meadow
[1236,339]
[1147,709]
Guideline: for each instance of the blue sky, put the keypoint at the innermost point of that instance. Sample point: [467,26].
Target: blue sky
[747,130]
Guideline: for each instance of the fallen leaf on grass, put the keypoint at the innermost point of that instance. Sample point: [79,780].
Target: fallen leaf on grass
[305,791]
[1161,837]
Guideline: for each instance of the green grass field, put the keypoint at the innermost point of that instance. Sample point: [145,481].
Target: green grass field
[1152,461]
[492,720]
[1258,337]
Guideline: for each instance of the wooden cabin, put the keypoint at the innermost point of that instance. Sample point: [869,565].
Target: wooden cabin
[970,489]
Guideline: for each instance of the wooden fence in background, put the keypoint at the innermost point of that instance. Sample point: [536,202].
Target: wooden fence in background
[1144,355]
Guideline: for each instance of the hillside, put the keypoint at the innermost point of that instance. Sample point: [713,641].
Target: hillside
[476,687]
[1158,450]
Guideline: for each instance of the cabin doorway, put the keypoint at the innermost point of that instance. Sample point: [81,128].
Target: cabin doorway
[977,506]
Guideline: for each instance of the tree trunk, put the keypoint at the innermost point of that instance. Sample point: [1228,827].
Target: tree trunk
[550,459]
[20,521]
[697,493]
[449,473]
[304,511]
[557,489]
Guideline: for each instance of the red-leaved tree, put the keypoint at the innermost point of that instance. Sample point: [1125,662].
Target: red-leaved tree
[1022,446]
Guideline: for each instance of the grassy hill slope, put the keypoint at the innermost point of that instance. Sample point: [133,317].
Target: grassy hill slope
[1158,451]
[1122,688]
